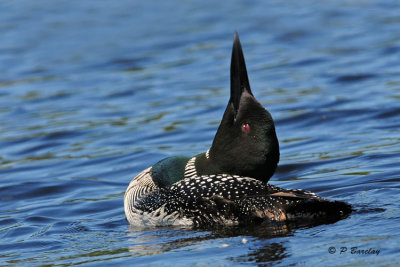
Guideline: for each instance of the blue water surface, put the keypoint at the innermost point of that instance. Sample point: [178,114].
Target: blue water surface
[93,92]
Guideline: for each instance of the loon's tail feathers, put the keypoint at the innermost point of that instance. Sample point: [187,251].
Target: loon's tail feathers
[229,199]
[290,209]
[266,209]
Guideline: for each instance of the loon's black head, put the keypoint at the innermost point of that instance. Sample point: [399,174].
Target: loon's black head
[245,143]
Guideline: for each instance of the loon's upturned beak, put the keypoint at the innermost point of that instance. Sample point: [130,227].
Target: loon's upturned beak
[239,80]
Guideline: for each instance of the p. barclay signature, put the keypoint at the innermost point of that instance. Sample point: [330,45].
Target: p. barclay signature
[354,250]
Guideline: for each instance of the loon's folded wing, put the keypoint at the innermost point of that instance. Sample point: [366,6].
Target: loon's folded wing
[225,199]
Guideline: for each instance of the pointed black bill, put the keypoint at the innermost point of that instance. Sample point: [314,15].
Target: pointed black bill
[239,79]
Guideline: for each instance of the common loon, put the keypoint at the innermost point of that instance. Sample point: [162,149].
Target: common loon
[227,184]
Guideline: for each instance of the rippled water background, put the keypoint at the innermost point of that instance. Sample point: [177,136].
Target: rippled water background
[91,93]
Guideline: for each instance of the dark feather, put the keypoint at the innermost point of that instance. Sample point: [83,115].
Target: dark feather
[218,199]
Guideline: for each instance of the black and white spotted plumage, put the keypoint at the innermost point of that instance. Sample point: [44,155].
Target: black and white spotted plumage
[231,199]
[144,184]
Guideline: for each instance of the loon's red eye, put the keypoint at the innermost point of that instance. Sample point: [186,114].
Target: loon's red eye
[246,128]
